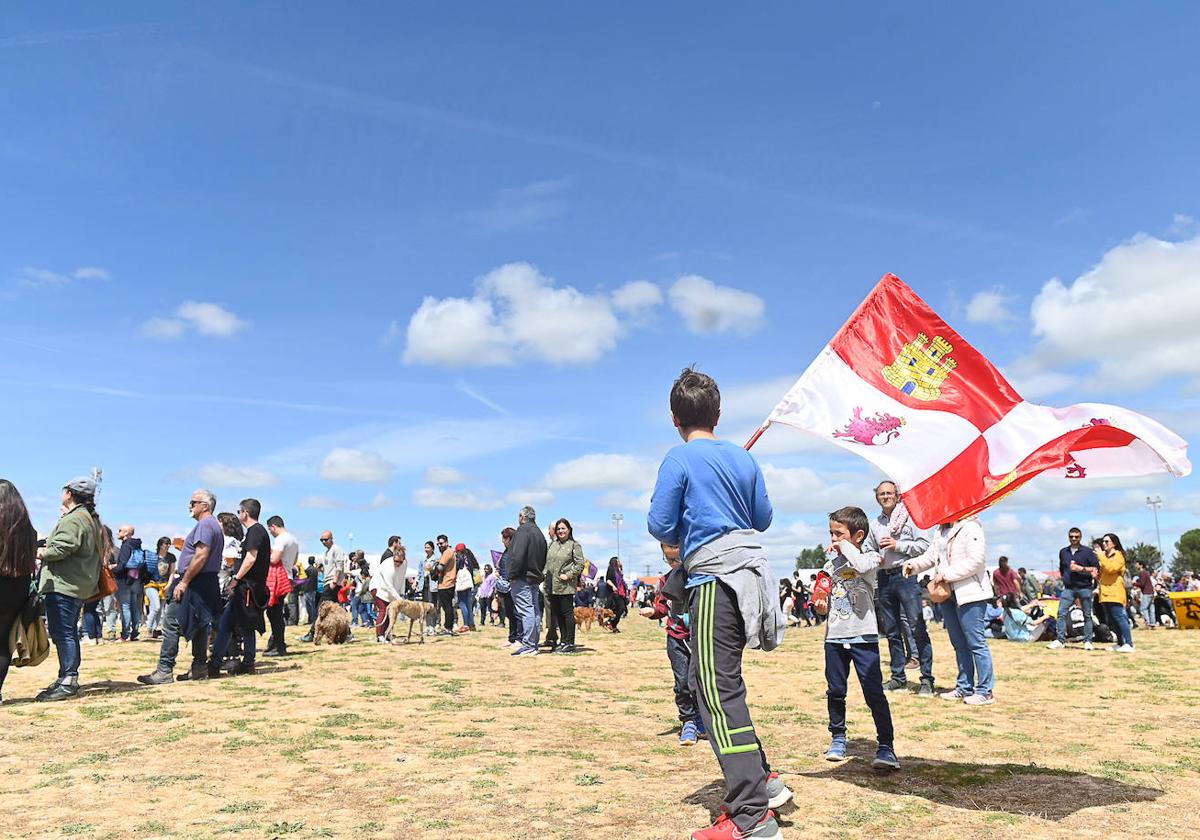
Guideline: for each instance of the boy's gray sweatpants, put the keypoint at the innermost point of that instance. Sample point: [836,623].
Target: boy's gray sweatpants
[718,639]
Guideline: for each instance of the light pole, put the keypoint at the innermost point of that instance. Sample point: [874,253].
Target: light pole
[1154,503]
[351,538]
[617,519]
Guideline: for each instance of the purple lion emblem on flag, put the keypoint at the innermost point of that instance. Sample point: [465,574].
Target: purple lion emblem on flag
[869,430]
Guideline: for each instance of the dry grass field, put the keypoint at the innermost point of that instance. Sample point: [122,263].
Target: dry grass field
[456,739]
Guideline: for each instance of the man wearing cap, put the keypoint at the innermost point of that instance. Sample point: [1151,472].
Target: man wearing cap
[193,595]
[335,572]
[70,573]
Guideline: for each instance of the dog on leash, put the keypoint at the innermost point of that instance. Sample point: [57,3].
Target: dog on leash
[333,624]
[414,611]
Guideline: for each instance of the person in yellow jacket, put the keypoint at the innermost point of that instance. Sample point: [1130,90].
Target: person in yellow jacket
[1112,591]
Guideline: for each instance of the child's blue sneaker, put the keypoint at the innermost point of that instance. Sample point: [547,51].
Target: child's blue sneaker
[687,737]
[837,749]
[885,760]
[701,732]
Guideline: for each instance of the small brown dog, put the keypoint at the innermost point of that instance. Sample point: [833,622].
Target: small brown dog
[604,616]
[414,611]
[333,624]
[585,617]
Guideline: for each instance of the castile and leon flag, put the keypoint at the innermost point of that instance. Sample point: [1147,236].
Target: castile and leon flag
[899,387]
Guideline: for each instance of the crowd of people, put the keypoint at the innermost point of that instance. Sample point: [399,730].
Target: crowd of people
[235,578]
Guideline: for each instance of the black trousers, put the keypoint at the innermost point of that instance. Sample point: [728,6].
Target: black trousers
[446,606]
[865,656]
[715,678]
[563,609]
[680,656]
[551,620]
[14,591]
[278,640]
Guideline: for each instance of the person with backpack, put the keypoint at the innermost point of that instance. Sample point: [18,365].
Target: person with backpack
[70,574]
[18,548]
[130,573]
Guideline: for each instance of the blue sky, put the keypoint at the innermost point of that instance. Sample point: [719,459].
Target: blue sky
[402,269]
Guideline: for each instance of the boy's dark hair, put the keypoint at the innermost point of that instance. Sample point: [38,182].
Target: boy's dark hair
[695,400]
[275,521]
[392,540]
[252,507]
[853,518]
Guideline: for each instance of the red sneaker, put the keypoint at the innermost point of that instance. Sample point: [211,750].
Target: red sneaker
[725,829]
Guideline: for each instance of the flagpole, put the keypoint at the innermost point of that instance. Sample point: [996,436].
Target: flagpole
[754,438]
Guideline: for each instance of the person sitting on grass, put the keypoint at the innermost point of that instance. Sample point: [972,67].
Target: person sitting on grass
[1019,623]
[852,636]
[678,654]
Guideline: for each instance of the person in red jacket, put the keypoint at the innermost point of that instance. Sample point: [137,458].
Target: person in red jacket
[692,728]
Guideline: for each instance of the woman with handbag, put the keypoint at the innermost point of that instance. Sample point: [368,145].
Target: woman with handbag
[18,548]
[71,573]
[464,586]
[564,564]
[961,584]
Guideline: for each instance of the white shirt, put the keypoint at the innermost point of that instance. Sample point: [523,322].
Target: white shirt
[289,549]
[335,561]
[387,579]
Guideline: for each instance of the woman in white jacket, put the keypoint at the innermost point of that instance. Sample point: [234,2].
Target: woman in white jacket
[387,582]
[956,554]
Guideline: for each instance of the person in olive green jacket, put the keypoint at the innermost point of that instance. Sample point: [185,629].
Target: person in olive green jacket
[564,564]
[70,575]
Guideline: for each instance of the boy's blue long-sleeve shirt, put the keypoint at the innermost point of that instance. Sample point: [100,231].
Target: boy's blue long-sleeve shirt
[705,489]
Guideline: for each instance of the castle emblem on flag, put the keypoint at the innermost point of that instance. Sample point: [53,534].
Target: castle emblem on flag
[922,367]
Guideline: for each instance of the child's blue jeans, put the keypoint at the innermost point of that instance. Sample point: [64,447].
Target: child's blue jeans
[865,656]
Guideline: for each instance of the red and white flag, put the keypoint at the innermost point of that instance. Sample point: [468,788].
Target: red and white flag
[902,389]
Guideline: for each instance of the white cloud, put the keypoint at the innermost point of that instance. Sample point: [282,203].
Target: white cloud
[709,308]
[445,475]
[224,475]
[36,278]
[804,490]
[165,328]
[637,299]
[622,500]
[602,472]
[522,208]
[456,332]
[516,312]
[441,497]
[380,502]
[321,503]
[1109,316]
[358,465]
[91,272]
[1181,223]
[393,332]
[990,307]
[534,497]
[203,318]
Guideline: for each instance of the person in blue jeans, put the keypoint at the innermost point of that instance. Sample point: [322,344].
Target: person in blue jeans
[70,573]
[526,559]
[1078,568]
[896,538]
[957,555]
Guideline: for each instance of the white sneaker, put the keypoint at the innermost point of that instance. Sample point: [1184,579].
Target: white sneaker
[1056,645]
[1125,649]
[1088,646]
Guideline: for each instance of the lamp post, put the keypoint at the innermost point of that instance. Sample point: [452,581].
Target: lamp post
[1154,503]
[617,519]
[350,536]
